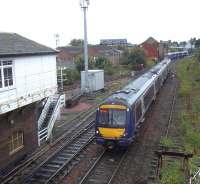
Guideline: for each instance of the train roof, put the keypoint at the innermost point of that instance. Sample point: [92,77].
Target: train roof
[130,93]
[180,52]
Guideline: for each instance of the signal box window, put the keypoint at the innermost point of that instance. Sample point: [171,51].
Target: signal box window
[6,74]
[16,142]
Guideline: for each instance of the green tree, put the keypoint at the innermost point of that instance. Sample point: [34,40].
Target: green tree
[102,62]
[197,54]
[135,58]
[182,43]
[193,41]
[197,43]
[71,75]
[79,62]
[125,57]
[76,42]
[174,44]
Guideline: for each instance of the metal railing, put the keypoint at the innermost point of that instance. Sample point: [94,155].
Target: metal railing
[53,118]
[42,135]
[44,113]
[46,132]
[196,178]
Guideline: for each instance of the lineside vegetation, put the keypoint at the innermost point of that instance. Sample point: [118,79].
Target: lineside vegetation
[188,73]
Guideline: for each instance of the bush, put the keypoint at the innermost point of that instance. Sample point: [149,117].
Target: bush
[102,63]
[79,63]
[172,174]
[197,54]
[135,58]
[193,138]
[69,76]
[166,143]
[109,71]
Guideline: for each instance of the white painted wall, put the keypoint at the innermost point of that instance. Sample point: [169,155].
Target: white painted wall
[34,79]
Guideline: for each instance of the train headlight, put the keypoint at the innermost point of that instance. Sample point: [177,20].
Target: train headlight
[125,134]
[97,131]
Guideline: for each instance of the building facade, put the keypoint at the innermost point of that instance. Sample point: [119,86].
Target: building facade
[27,76]
[67,55]
[151,48]
[114,42]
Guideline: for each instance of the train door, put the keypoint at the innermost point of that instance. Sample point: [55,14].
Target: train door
[138,112]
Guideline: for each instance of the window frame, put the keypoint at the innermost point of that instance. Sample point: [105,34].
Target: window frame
[16,142]
[109,121]
[148,97]
[2,67]
[138,111]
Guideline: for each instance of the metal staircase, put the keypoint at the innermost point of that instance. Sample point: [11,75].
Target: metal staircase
[48,117]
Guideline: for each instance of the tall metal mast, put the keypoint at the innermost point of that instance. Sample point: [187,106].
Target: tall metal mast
[84,5]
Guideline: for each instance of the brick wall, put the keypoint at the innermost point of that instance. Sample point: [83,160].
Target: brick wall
[24,120]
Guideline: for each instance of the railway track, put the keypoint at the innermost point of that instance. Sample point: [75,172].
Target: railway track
[18,174]
[105,167]
[66,134]
[153,175]
[64,158]
[173,133]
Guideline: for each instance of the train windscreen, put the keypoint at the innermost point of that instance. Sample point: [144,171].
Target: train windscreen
[115,118]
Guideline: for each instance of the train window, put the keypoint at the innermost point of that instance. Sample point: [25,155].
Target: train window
[148,96]
[138,112]
[103,116]
[112,118]
[158,84]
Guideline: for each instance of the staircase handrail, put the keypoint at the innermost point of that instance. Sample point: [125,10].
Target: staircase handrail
[54,116]
[44,112]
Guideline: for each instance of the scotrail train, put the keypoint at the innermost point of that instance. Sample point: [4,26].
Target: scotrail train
[119,116]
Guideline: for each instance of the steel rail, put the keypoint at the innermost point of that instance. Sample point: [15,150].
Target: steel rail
[13,173]
[68,162]
[118,167]
[67,144]
[171,111]
[94,168]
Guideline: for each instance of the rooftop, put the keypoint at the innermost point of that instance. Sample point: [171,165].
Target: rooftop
[12,44]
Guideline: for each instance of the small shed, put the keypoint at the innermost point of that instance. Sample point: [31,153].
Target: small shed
[95,79]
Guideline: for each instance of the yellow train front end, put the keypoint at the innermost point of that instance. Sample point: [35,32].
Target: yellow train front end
[112,125]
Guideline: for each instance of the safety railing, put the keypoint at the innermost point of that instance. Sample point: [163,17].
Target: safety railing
[45,133]
[42,135]
[54,116]
[44,113]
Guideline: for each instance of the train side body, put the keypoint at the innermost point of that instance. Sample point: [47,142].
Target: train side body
[120,115]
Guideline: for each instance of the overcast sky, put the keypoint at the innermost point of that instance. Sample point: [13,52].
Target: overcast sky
[135,20]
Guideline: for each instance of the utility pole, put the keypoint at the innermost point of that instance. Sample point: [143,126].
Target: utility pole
[57,39]
[61,76]
[84,5]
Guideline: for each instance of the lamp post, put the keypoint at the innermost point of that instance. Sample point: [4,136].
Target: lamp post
[84,5]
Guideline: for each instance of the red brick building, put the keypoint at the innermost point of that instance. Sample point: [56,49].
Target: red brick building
[151,47]
[18,136]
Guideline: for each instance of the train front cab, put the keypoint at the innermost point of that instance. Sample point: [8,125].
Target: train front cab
[113,127]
